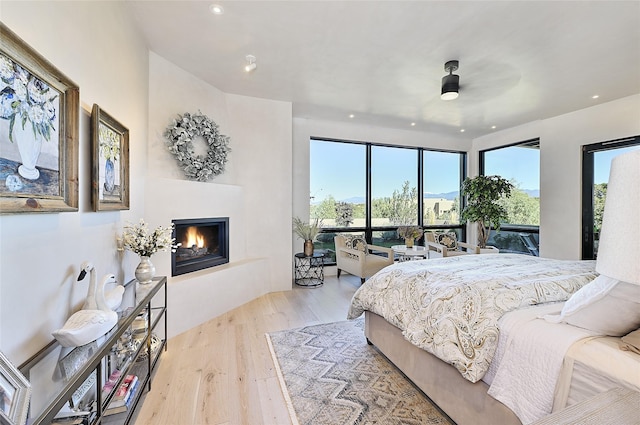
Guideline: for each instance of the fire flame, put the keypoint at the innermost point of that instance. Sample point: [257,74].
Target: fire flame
[194,238]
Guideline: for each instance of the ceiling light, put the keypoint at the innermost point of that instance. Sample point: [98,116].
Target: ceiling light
[216,9]
[462,130]
[493,127]
[251,65]
[413,124]
[451,82]
[595,96]
[351,116]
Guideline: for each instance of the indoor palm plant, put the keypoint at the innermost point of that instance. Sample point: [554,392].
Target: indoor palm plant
[483,194]
[307,232]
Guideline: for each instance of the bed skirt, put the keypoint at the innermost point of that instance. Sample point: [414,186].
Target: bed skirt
[465,402]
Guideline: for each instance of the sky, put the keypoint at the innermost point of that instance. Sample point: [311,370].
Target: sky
[602,163]
[339,169]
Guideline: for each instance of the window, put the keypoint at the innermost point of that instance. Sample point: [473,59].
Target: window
[596,163]
[394,186]
[371,189]
[520,164]
[442,177]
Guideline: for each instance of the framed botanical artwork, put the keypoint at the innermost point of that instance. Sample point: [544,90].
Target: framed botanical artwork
[110,170]
[39,112]
[15,392]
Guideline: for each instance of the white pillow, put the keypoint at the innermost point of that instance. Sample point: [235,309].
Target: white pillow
[605,305]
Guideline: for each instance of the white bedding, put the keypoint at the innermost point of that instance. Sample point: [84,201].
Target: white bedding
[450,306]
[528,360]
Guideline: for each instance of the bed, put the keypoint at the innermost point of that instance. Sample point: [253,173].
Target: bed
[468,331]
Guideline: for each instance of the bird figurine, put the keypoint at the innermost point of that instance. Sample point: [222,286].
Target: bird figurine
[113,297]
[85,326]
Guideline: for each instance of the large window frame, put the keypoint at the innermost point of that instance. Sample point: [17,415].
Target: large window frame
[368,229]
[529,235]
[588,168]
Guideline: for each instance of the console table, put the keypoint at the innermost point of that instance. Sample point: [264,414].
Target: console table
[70,382]
[309,270]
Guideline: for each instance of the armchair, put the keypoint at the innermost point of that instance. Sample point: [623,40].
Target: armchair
[353,256]
[447,245]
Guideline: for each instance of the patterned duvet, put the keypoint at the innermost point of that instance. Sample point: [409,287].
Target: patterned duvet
[451,306]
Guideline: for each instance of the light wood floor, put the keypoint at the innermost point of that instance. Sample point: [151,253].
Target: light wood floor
[221,372]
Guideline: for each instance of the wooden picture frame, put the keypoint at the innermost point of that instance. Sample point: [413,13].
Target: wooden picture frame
[110,162]
[15,392]
[39,129]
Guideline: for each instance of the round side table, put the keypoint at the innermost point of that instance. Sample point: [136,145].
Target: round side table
[309,270]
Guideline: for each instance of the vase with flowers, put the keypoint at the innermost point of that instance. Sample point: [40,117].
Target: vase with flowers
[308,232]
[409,234]
[137,238]
[30,106]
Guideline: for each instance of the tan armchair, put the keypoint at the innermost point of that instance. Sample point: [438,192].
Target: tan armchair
[447,245]
[353,255]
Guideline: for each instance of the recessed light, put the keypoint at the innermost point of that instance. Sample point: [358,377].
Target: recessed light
[462,130]
[595,96]
[351,115]
[493,127]
[216,9]
[251,63]
[413,124]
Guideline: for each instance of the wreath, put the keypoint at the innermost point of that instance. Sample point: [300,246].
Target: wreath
[180,137]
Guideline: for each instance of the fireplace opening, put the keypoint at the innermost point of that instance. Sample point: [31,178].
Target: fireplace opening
[204,243]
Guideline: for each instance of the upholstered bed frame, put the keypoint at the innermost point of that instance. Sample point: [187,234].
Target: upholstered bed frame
[465,402]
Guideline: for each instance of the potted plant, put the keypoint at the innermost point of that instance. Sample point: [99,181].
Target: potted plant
[307,232]
[409,234]
[483,194]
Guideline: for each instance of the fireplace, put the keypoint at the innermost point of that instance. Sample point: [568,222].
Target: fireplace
[204,243]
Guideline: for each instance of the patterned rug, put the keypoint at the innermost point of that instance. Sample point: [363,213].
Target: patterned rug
[330,376]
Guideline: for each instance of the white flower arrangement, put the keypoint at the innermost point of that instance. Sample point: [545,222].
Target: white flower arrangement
[109,143]
[180,137]
[136,238]
[26,99]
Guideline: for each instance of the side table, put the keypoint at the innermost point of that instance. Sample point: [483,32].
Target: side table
[309,270]
[408,254]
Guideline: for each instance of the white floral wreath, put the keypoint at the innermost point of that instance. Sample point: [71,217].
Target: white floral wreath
[180,137]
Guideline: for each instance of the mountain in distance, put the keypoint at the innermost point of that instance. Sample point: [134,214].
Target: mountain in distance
[534,193]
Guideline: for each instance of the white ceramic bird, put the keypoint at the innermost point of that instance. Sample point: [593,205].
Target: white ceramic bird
[113,297]
[85,326]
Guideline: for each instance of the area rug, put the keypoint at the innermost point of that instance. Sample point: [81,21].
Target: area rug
[330,376]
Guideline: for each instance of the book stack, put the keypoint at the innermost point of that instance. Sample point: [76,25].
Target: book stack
[124,396]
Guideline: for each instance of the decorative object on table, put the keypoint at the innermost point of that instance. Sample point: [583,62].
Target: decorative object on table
[155,343]
[113,297]
[39,113]
[15,392]
[409,234]
[85,326]
[138,239]
[307,232]
[483,206]
[110,166]
[180,136]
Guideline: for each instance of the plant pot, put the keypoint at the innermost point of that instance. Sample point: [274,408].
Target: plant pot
[408,242]
[489,250]
[308,247]
[145,271]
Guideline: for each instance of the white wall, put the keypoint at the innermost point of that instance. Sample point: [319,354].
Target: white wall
[41,254]
[97,46]
[254,192]
[561,139]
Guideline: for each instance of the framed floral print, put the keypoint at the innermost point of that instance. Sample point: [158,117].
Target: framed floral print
[39,113]
[15,392]
[110,170]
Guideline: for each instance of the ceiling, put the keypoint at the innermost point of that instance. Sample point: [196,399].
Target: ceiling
[383,61]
